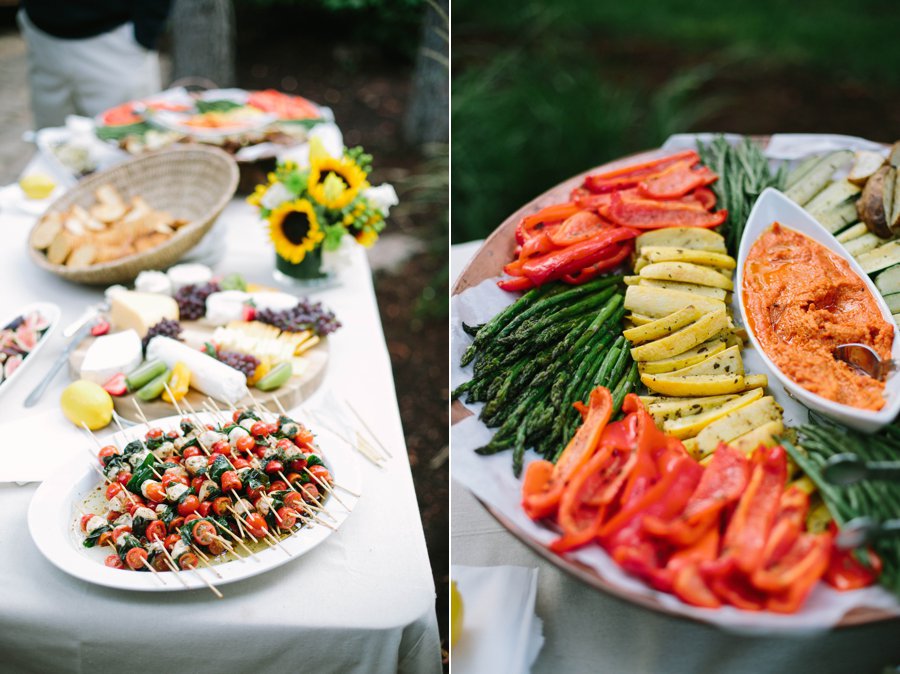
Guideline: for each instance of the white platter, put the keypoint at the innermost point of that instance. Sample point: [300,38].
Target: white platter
[773,206]
[51,312]
[53,521]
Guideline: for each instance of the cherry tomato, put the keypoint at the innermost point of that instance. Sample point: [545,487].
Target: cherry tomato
[113,562]
[134,502]
[197,482]
[255,492]
[109,450]
[176,523]
[288,518]
[188,504]
[236,415]
[192,517]
[278,485]
[259,450]
[294,501]
[220,447]
[298,465]
[293,478]
[256,525]
[105,538]
[168,478]
[155,491]
[210,459]
[259,429]
[159,563]
[119,530]
[204,532]
[220,505]
[84,520]
[154,433]
[172,435]
[188,452]
[171,540]
[123,477]
[112,489]
[304,437]
[188,561]
[274,466]
[205,507]
[135,558]
[310,492]
[271,429]
[321,472]
[216,548]
[245,443]
[240,463]
[230,481]
[113,515]
[284,444]
[156,529]
[210,427]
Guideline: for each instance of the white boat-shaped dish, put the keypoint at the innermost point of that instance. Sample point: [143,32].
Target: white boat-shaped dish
[54,521]
[772,206]
[51,312]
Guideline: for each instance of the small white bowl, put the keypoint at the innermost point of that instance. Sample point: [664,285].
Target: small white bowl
[772,206]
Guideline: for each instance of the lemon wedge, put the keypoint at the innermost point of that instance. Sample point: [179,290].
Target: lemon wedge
[37,186]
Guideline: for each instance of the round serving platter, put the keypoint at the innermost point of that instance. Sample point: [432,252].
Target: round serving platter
[54,517]
[487,263]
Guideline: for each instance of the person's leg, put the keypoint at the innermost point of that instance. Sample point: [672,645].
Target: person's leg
[113,69]
[51,88]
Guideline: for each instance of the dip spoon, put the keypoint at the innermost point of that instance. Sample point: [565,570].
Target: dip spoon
[864,359]
[844,469]
[860,530]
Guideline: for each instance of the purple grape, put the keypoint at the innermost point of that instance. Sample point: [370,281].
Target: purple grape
[192,300]
[306,315]
[243,362]
[166,327]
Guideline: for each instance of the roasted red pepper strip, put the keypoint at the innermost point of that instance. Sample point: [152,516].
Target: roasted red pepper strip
[846,572]
[534,224]
[538,244]
[577,228]
[543,490]
[732,587]
[722,483]
[571,259]
[516,284]
[806,560]
[749,527]
[652,214]
[689,586]
[789,524]
[611,262]
[629,176]
[704,196]
[676,180]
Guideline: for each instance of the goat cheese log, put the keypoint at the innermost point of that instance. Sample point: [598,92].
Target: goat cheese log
[208,375]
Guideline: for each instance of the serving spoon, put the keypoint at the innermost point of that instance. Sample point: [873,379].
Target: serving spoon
[864,359]
[845,469]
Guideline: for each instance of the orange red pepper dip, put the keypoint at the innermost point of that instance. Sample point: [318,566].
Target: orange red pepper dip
[802,300]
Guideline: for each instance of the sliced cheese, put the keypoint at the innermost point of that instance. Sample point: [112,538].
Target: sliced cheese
[111,354]
[130,310]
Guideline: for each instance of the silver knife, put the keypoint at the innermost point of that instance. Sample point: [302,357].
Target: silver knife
[36,394]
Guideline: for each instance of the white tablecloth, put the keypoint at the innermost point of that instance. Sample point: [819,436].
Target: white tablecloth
[587,630]
[363,601]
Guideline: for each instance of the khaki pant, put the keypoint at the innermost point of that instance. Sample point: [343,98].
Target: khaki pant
[86,77]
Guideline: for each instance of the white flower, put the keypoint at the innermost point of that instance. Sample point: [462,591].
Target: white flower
[382,197]
[329,136]
[276,195]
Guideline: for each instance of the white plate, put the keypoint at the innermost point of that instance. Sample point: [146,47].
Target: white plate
[773,206]
[51,312]
[54,521]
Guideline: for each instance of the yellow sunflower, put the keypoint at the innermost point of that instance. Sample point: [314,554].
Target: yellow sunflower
[295,230]
[256,198]
[367,237]
[334,183]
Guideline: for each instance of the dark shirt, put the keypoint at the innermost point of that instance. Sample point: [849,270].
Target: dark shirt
[79,19]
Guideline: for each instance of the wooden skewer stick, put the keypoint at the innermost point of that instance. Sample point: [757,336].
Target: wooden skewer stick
[279,405]
[173,567]
[203,558]
[238,541]
[374,458]
[140,412]
[240,523]
[172,396]
[366,426]
[155,572]
[230,548]
[268,537]
[325,486]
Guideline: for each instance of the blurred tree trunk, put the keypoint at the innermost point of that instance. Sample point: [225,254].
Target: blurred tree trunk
[428,116]
[203,40]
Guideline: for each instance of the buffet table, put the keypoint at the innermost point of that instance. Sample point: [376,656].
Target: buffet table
[363,601]
[587,630]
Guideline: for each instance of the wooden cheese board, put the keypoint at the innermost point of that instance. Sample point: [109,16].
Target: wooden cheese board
[488,263]
[297,389]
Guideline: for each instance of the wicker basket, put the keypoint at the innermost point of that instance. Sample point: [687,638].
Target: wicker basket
[193,183]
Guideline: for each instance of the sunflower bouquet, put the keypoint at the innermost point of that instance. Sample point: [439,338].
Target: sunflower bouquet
[313,207]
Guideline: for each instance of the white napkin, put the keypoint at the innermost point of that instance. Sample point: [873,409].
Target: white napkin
[34,446]
[501,633]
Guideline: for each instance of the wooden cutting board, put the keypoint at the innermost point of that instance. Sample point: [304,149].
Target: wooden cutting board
[297,389]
